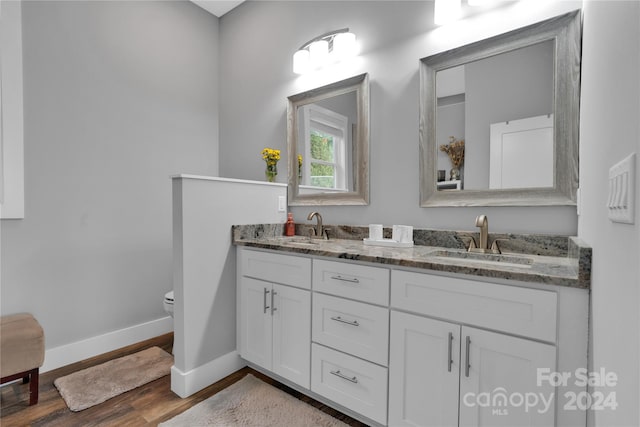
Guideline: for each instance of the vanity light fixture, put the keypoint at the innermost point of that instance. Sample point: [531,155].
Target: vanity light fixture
[331,47]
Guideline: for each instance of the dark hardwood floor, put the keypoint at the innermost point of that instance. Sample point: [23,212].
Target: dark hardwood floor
[147,405]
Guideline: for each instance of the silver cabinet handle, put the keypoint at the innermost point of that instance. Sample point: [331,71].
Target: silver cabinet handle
[468,362]
[344,377]
[264,301]
[346,279]
[449,359]
[273,306]
[348,322]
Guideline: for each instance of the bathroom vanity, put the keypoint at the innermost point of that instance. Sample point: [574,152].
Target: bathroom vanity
[416,336]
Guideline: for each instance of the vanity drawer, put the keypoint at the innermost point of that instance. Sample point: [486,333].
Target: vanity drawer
[521,311]
[353,327]
[359,282]
[277,268]
[353,383]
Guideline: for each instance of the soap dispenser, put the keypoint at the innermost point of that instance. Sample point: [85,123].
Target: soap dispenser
[290,226]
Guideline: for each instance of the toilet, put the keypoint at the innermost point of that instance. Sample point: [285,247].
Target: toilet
[168,303]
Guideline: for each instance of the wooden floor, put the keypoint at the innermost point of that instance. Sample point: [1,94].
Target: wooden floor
[147,405]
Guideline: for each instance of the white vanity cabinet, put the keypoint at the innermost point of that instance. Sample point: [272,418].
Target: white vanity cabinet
[448,373]
[406,347]
[274,314]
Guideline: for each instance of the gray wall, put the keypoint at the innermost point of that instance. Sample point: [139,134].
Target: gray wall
[257,41]
[118,96]
[609,131]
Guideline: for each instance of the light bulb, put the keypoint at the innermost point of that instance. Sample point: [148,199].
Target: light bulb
[344,46]
[301,61]
[319,53]
[446,11]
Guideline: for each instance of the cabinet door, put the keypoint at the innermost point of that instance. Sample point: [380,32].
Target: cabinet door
[292,334]
[498,380]
[255,321]
[424,371]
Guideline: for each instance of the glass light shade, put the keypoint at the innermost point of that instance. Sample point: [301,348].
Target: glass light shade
[344,46]
[301,61]
[446,11]
[319,53]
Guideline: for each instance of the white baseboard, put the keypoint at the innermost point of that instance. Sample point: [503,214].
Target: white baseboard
[184,384]
[90,347]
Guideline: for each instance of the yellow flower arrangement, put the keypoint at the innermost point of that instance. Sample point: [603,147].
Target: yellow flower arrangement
[455,150]
[299,166]
[271,156]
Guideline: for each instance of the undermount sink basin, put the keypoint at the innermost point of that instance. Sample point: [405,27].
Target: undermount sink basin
[490,259]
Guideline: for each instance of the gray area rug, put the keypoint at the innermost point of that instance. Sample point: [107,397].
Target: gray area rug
[88,387]
[252,402]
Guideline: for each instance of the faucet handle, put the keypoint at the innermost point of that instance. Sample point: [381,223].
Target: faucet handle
[326,231]
[472,244]
[495,248]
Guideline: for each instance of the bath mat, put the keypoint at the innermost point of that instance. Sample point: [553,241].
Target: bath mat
[252,402]
[90,386]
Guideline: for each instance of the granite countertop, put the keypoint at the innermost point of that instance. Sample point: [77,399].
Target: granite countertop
[554,260]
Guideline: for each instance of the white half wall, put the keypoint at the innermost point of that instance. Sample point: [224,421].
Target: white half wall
[204,280]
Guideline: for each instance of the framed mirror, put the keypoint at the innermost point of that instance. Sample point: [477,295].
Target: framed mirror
[499,119]
[328,144]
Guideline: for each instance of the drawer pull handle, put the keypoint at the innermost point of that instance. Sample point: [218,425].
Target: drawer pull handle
[344,377]
[265,307]
[346,279]
[467,364]
[348,322]
[449,359]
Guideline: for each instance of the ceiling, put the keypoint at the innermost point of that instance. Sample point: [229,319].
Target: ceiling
[217,7]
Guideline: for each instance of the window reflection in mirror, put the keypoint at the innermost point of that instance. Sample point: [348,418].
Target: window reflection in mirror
[502,108]
[325,144]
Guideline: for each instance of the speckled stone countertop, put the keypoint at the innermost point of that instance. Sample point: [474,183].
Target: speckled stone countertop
[553,260]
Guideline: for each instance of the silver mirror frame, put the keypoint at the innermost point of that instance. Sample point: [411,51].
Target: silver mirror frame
[566,31]
[360,195]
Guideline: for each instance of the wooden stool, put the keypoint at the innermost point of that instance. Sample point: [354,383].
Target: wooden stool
[21,351]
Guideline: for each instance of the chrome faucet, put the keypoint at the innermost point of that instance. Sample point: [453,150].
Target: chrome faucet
[483,222]
[319,231]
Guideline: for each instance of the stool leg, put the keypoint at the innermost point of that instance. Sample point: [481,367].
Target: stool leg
[33,387]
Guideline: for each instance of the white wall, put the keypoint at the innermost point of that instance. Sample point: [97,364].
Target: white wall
[257,42]
[610,114]
[118,96]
